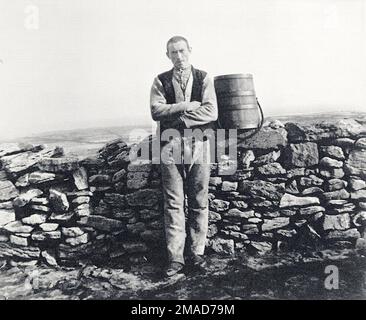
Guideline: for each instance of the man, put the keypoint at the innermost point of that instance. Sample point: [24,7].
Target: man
[184,98]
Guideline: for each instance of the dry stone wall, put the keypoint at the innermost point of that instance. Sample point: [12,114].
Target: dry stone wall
[295,187]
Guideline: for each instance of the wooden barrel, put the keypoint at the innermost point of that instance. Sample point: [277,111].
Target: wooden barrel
[237,102]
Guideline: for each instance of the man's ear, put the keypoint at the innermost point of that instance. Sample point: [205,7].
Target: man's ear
[190,49]
[167,54]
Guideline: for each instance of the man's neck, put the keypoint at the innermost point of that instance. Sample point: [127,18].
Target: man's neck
[186,68]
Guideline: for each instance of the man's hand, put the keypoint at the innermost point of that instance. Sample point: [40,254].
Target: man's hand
[193,105]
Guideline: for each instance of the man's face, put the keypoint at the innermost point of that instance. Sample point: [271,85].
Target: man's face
[178,53]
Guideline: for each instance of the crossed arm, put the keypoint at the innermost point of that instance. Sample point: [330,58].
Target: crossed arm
[192,113]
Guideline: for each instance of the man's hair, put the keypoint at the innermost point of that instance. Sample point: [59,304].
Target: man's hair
[174,40]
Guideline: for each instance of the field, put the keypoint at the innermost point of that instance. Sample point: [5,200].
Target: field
[85,142]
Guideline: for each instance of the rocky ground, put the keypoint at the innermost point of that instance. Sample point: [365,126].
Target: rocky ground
[275,276]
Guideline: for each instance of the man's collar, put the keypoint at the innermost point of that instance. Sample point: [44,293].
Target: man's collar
[188,68]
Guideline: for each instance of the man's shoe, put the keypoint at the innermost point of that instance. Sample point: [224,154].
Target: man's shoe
[198,261]
[173,268]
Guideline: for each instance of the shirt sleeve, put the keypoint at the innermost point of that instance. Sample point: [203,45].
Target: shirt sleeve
[207,112]
[160,110]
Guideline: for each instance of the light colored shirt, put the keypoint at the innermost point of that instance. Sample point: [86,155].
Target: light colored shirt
[176,112]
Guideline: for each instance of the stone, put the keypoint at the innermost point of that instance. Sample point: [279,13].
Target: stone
[359,195]
[362,205]
[255,220]
[272,156]
[147,214]
[83,193]
[10,148]
[361,244]
[332,152]
[307,211]
[64,164]
[38,177]
[335,184]
[292,188]
[49,258]
[215,181]
[10,251]
[289,200]
[266,138]
[144,198]
[273,214]
[360,143]
[136,228]
[101,223]
[295,172]
[336,173]
[7,190]
[135,247]
[80,200]
[23,181]
[40,201]
[61,217]
[115,200]
[239,204]
[343,234]
[119,176]
[213,216]
[227,166]
[6,216]
[140,165]
[49,226]
[3,175]
[16,164]
[236,213]
[246,158]
[100,179]
[336,195]
[235,234]
[41,208]
[301,155]
[80,177]
[35,219]
[271,169]
[219,205]
[212,230]
[312,180]
[82,210]
[26,197]
[357,184]
[46,235]
[58,201]
[326,129]
[275,223]
[8,205]
[75,241]
[336,222]
[262,247]
[222,246]
[72,232]
[250,228]
[17,227]
[137,180]
[229,186]
[19,241]
[122,213]
[287,233]
[261,188]
[356,163]
[329,162]
[312,191]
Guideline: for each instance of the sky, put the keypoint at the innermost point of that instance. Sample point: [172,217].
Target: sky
[67,64]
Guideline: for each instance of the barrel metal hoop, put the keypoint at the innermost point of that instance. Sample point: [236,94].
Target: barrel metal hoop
[238,106]
[234,76]
[236,93]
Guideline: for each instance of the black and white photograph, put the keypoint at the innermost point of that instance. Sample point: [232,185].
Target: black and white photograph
[182,156]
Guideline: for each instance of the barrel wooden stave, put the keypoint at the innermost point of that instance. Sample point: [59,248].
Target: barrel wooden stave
[238,108]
